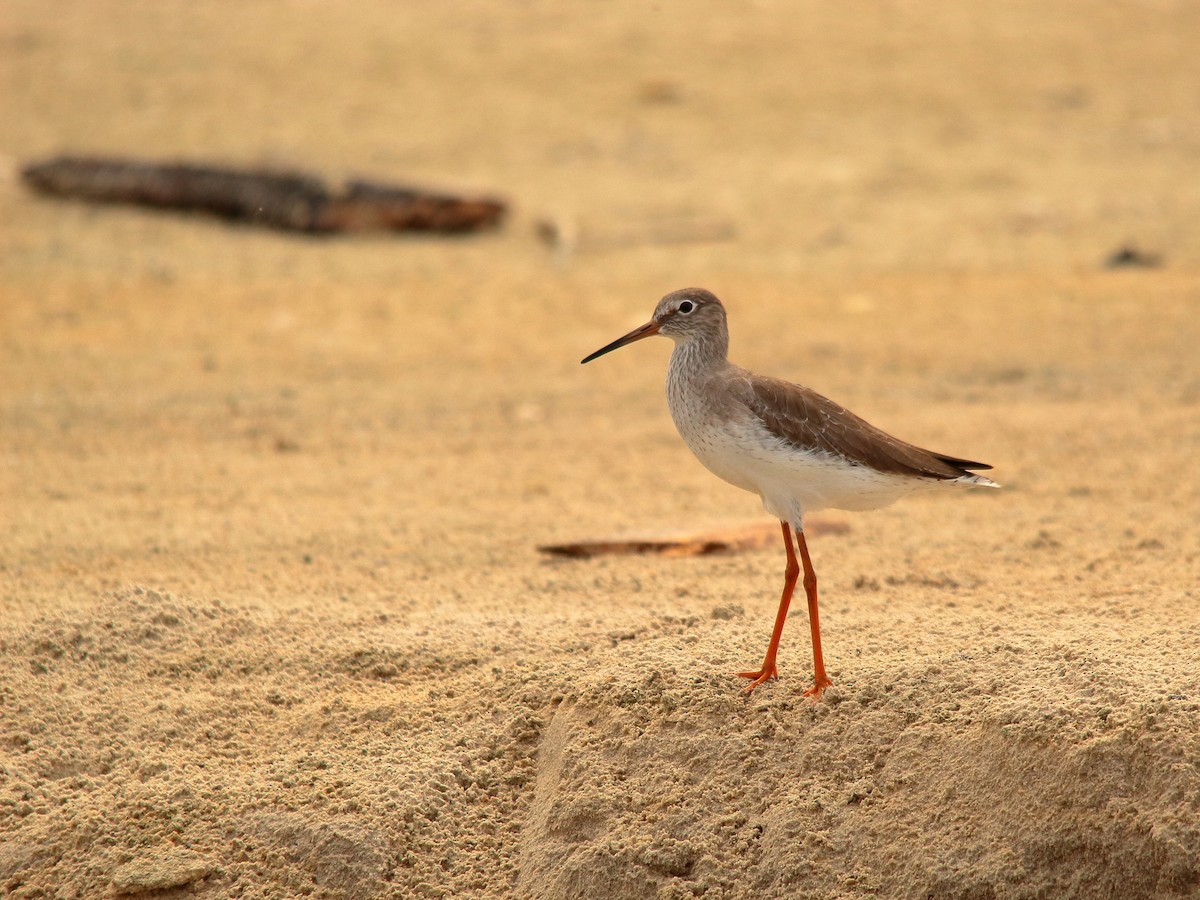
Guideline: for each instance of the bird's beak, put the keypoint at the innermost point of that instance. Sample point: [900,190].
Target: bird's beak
[650,328]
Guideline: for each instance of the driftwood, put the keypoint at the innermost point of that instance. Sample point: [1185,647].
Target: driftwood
[293,201]
[692,543]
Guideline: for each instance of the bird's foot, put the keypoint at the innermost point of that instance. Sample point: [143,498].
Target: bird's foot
[766,673]
[819,684]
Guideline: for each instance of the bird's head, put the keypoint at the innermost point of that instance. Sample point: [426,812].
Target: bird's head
[680,315]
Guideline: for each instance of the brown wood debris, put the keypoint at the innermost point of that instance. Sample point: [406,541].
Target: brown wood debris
[733,539]
[293,201]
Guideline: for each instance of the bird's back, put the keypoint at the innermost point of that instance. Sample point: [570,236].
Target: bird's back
[798,450]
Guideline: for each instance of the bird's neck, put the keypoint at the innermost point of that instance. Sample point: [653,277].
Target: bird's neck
[699,355]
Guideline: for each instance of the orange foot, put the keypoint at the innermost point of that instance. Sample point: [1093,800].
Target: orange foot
[766,673]
[819,684]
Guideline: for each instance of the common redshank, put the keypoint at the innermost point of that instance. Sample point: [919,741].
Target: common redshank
[794,448]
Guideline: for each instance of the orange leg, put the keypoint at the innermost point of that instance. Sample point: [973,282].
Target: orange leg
[789,584]
[820,679]
[768,670]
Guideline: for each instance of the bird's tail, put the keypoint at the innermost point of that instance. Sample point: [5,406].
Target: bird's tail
[977,480]
[968,476]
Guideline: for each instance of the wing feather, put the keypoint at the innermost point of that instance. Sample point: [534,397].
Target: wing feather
[802,418]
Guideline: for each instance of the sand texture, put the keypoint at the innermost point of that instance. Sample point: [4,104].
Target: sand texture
[274,619]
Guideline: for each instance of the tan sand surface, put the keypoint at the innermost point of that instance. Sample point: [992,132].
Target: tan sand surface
[274,623]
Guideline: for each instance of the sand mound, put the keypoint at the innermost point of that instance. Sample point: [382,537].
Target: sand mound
[160,744]
[683,798]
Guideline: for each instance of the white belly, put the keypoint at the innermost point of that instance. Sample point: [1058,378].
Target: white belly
[790,482]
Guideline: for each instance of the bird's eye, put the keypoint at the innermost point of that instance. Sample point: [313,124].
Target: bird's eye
[686,307]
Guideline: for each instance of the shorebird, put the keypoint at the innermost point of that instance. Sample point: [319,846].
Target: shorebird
[797,450]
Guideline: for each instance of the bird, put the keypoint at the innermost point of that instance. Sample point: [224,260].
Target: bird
[796,449]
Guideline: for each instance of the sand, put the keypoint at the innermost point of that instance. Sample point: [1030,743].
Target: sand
[274,621]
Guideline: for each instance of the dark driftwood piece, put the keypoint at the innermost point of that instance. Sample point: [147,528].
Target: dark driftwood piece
[289,200]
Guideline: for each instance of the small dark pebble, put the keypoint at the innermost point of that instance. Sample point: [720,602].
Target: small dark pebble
[1128,256]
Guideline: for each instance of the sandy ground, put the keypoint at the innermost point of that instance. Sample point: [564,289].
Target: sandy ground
[274,621]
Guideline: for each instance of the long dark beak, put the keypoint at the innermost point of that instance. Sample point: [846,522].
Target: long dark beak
[650,328]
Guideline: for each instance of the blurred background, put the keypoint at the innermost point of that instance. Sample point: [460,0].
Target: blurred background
[898,136]
[904,205]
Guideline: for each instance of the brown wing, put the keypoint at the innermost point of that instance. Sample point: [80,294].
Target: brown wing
[804,419]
